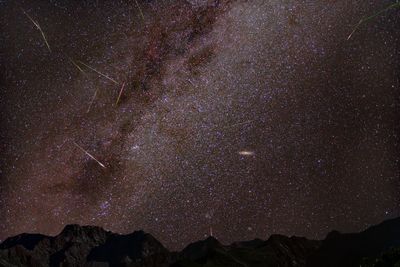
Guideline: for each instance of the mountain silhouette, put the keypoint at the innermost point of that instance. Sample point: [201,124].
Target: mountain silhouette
[93,246]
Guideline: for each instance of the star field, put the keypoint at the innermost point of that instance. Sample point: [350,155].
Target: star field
[247,117]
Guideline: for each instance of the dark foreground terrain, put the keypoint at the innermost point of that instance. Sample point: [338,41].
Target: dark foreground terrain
[92,246]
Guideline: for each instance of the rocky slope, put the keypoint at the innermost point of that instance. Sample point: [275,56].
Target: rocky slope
[351,249]
[93,246]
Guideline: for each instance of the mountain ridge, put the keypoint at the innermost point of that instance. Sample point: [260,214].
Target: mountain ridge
[93,246]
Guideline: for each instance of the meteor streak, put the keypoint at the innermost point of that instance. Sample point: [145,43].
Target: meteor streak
[90,155]
[38,27]
[98,72]
[120,93]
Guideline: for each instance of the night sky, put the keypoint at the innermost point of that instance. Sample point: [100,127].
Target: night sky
[250,117]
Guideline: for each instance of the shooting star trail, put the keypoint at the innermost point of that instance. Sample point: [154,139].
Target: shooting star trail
[93,98]
[120,93]
[98,72]
[76,65]
[37,25]
[90,155]
[364,20]
[140,10]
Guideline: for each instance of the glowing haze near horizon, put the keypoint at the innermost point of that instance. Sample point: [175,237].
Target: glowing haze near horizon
[250,117]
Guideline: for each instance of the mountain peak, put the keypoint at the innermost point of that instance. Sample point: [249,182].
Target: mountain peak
[76,229]
[82,234]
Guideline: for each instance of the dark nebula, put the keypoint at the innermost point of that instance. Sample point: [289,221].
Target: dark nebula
[247,117]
